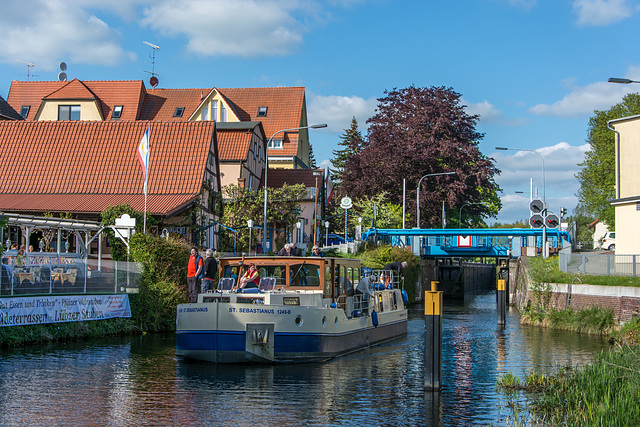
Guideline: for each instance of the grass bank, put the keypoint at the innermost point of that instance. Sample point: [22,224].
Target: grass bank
[547,271]
[603,393]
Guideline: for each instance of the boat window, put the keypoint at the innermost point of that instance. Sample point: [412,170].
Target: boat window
[304,275]
[230,271]
[276,271]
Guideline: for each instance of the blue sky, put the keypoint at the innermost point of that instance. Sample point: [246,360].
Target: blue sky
[535,70]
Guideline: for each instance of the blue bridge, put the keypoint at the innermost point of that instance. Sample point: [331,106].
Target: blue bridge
[471,242]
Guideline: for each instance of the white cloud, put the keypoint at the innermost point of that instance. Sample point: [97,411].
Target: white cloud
[57,29]
[337,111]
[601,12]
[583,100]
[246,28]
[488,112]
[521,169]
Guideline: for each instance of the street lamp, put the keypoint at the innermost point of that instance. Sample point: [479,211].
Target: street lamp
[326,234]
[418,195]
[460,215]
[249,226]
[544,195]
[316,174]
[623,81]
[266,169]
[298,225]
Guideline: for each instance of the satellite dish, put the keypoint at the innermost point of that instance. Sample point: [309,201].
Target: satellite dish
[62,76]
[153,81]
[63,66]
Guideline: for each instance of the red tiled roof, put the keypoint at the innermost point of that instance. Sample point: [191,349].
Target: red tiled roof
[284,111]
[129,94]
[278,177]
[73,159]
[161,104]
[234,140]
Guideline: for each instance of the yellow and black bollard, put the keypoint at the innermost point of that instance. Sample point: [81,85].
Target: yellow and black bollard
[432,339]
[502,302]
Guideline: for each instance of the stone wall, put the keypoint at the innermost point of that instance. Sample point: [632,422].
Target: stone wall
[623,300]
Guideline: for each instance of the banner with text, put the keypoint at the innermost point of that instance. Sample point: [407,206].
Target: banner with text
[57,309]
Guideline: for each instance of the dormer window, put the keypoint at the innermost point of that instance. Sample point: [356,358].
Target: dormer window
[117,112]
[68,112]
[275,143]
[24,111]
[262,111]
[178,112]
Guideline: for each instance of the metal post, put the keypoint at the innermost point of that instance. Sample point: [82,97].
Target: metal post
[432,340]
[502,302]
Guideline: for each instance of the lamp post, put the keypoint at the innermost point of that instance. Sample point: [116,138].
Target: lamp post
[266,169]
[249,227]
[326,234]
[544,195]
[460,215]
[418,195]
[298,225]
[316,174]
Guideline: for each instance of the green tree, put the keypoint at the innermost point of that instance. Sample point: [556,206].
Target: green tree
[597,176]
[312,158]
[389,215]
[242,204]
[352,142]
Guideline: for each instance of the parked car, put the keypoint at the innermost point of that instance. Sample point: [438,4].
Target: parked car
[609,241]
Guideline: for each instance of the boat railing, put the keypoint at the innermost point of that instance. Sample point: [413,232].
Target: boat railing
[387,278]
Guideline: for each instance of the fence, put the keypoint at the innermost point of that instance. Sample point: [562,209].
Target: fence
[599,264]
[74,276]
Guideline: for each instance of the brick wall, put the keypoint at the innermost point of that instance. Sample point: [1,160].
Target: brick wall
[623,300]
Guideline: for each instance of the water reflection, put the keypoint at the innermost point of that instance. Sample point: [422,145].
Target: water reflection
[129,381]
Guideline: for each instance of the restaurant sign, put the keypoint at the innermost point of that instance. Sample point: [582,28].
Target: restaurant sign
[57,309]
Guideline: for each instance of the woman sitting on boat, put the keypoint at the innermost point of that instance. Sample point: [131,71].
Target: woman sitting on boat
[250,279]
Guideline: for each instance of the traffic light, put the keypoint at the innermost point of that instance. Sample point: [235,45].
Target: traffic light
[552,221]
[536,221]
[563,212]
[536,206]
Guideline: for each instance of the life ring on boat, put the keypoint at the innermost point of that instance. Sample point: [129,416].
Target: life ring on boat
[405,297]
[374,318]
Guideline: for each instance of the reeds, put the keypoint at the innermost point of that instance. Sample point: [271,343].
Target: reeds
[604,393]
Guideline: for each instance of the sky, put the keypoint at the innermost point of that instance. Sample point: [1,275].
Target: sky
[534,70]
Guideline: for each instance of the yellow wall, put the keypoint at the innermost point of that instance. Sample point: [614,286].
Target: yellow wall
[88,110]
[627,229]
[214,99]
[629,155]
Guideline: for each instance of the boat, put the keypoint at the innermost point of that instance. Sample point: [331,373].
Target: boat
[305,309]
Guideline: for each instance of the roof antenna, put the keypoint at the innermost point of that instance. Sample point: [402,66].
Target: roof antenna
[29,65]
[153,81]
[62,76]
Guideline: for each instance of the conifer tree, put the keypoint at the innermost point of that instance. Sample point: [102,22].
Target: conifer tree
[352,142]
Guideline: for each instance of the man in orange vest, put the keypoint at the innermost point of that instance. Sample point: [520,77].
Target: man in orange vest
[195,273]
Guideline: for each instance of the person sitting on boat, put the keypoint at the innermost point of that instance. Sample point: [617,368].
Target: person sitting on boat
[285,251]
[315,251]
[250,279]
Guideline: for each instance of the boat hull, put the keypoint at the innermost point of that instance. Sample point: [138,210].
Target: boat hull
[237,333]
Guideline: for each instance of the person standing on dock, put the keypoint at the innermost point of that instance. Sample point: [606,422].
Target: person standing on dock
[194,274]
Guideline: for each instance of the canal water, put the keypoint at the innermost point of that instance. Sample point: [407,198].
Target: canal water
[139,381]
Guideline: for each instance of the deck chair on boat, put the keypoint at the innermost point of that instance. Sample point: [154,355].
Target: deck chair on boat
[226,284]
[267,284]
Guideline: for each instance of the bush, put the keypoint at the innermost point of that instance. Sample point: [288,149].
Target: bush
[163,283]
[378,257]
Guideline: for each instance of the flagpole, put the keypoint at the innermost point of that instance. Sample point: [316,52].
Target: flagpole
[146,175]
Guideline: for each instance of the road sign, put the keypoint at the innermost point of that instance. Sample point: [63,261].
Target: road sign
[536,206]
[552,221]
[536,221]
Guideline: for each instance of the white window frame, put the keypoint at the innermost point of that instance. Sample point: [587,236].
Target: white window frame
[276,144]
